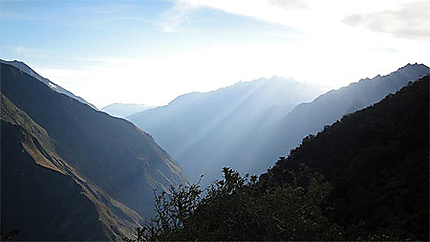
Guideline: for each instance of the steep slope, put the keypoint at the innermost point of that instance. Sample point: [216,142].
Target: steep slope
[202,130]
[377,160]
[38,197]
[123,110]
[42,204]
[111,162]
[26,69]
[309,118]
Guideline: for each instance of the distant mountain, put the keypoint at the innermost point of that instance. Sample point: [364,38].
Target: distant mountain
[377,160]
[123,110]
[364,178]
[70,172]
[309,118]
[202,130]
[26,69]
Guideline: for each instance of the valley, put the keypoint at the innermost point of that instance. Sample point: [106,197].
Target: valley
[197,120]
[102,172]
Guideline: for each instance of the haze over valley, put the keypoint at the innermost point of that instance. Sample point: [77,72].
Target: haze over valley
[236,120]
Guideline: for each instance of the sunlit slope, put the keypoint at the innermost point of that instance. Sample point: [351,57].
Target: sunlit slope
[309,118]
[116,165]
[202,130]
[39,197]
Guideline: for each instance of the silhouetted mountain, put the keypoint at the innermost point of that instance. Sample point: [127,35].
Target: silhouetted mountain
[309,118]
[366,177]
[123,110]
[202,130]
[69,172]
[377,160]
[26,69]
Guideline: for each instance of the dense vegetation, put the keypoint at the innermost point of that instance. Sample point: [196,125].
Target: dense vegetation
[363,178]
[378,163]
[240,208]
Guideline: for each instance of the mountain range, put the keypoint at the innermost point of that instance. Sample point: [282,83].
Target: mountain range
[203,131]
[70,172]
[249,125]
[363,178]
[123,110]
[309,118]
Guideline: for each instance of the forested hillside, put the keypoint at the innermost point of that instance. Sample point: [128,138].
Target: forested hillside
[377,160]
[363,178]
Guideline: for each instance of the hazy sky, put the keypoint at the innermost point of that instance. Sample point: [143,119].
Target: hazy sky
[151,51]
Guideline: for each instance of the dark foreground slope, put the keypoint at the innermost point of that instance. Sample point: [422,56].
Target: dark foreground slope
[42,204]
[377,160]
[104,164]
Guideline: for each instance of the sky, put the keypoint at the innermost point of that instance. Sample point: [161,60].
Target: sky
[151,51]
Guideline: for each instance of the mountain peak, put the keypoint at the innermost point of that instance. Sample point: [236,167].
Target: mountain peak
[123,110]
[414,65]
[29,71]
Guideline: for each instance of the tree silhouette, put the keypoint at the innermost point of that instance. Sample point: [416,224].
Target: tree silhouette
[243,208]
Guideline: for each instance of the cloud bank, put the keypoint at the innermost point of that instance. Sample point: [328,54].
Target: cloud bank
[411,20]
[400,18]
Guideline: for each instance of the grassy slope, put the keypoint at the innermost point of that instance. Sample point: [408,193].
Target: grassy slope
[116,165]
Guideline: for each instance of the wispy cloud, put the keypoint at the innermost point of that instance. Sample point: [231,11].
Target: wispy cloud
[411,20]
[287,12]
[8,14]
[19,49]
[110,17]
[177,15]
[24,51]
[401,18]
[290,4]
[134,18]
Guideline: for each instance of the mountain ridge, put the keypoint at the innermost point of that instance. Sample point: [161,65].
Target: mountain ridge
[123,110]
[365,177]
[193,124]
[271,131]
[111,160]
[25,68]
[309,118]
